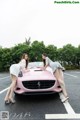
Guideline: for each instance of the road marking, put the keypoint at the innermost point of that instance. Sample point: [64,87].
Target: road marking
[4,90]
[4,77]
[66,104]
[62,116]
[71,114]
[70,75]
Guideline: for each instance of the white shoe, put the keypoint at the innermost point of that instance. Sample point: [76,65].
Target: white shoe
[65,99]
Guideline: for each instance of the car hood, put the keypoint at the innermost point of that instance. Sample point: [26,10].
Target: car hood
[37,74]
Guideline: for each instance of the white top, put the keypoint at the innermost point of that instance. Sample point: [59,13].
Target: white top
[48,61]
[53,65]
[22,64]
[16,68]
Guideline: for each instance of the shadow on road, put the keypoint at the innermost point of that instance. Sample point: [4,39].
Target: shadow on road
[36,98]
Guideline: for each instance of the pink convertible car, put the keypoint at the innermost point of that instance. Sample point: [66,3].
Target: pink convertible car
[37,81]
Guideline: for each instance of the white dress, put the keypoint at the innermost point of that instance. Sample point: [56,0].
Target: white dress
[16,68]
[53,65]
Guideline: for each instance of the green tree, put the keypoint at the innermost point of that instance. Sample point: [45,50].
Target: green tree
[17,51]
[1,52]
[51,51]
[6,57]
[78,56]
[28,41]
[37,48]
[68,55]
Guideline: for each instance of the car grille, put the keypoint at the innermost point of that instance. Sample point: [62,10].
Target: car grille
[43,84]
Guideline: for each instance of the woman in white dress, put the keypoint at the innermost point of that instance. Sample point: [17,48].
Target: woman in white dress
[14,72]
[57,71]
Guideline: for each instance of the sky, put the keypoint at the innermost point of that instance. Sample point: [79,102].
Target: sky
[42,20]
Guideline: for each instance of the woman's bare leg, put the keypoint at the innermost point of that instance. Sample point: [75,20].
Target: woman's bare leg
[13,85]
[7,95]
[59,76]
[10,91]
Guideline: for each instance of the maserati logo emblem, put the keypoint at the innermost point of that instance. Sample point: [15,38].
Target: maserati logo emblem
[39,84]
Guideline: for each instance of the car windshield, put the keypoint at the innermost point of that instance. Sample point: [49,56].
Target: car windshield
[35,64]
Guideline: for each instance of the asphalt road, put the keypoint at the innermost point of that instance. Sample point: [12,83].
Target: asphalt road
[43,107]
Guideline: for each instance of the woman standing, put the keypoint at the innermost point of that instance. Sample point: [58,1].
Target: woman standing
[14,71]
[57,71]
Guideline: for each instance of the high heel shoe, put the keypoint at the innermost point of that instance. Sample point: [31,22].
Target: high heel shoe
[12,101]
[65,99]
[7,102]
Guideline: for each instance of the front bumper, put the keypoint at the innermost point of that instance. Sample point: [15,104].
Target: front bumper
[38,88]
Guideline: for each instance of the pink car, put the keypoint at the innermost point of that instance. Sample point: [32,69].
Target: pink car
[37,81]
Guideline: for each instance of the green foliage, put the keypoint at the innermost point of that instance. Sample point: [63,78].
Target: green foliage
[37,48]
[68,52]
[68,56]
[1,52]
[51,51]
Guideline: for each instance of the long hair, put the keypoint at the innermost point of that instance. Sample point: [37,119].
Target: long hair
[44,61]
[27,61]
[44,54]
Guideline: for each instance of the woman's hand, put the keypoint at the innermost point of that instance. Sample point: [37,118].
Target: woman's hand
[43,68]
[26,70]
